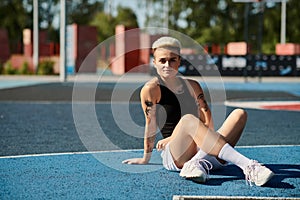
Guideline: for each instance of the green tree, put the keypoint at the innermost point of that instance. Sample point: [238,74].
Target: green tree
[48,9]
[271,28]
[14,18]
[82,12]
[223,21]
[207,21]
[106,23]
[293,21]
[127,17]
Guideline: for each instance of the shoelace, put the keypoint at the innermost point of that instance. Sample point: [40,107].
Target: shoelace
[251,173]
[206,165]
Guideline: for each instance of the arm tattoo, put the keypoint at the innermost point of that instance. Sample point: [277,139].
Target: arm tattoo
[201,98]
[150,147]
[149,105]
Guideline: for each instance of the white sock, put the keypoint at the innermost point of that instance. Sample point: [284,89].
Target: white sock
[229,154]
[199,155]
[212,159]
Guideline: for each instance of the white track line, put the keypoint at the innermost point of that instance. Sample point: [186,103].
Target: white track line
[183,197]
[126,150]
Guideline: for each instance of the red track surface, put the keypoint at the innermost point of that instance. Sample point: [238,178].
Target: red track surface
[293,107]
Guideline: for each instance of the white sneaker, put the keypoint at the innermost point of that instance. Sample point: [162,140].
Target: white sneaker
[196,170]
[257,174]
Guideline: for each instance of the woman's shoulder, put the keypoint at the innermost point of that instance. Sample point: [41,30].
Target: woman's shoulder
[151,86]
[191,82]
[193,85]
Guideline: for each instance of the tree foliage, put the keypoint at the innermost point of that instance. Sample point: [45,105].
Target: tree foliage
[223,21]
[82,12]
[293,21]
[206,21]
[13,18]
[106,23]
[127,17]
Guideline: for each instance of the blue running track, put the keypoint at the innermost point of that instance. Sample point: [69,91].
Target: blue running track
[56,165]
[100,175]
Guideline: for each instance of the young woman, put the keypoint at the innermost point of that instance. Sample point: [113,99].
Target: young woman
[178,107]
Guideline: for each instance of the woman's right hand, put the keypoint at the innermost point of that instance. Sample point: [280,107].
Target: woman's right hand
[135,161]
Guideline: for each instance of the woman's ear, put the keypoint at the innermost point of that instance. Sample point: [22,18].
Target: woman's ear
[153,61]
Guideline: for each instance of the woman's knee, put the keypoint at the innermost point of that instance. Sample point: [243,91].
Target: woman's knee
[189,120]
[240,114]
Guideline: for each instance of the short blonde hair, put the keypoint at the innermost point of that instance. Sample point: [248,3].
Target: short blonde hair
[168,42]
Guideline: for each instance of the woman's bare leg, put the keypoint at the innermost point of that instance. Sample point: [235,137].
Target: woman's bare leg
[233,126]
[191,133]
[186,137]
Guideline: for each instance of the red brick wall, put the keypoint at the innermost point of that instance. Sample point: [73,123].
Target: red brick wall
[86,42]
[4,46]
[127,50]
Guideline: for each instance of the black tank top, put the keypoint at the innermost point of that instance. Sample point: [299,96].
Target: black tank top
[172,107]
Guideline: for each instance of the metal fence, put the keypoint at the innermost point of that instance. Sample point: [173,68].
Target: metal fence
[249,65]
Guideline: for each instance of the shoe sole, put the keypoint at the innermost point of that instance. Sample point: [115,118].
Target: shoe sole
[196,178]
[200,179]
[266,178]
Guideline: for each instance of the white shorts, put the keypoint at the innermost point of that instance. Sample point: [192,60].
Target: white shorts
[168,161]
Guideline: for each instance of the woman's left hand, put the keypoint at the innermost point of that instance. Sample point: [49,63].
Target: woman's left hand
[161,144]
